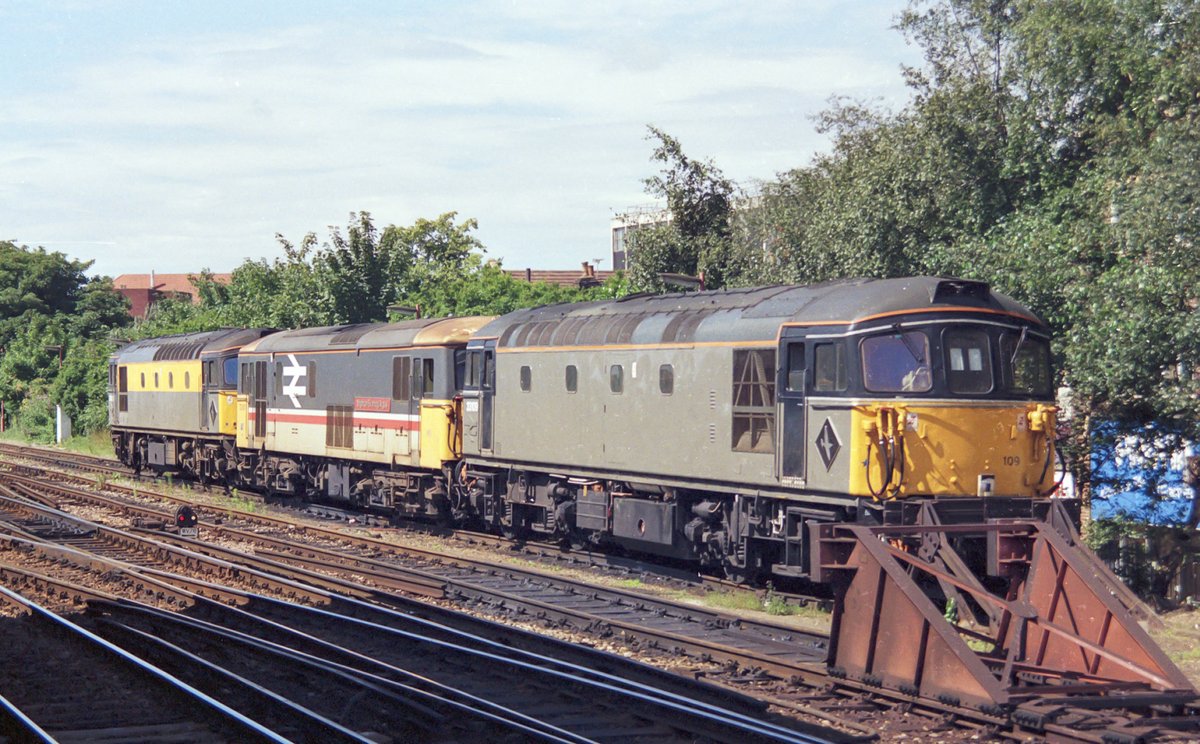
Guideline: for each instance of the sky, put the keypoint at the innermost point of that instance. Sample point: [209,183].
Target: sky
[180,136]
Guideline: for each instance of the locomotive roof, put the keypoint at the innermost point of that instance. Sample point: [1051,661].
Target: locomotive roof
[183,346]
[421,332]
[751,314]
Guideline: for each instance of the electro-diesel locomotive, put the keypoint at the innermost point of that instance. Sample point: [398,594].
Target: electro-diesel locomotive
[716,427]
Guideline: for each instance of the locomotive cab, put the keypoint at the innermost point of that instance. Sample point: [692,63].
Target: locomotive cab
[926,407]
[219,383]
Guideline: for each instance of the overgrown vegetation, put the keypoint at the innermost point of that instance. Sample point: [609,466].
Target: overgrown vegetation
[55,330]
[769,602]
[1049,148]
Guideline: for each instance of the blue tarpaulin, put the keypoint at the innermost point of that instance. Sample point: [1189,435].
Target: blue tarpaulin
[1139,476]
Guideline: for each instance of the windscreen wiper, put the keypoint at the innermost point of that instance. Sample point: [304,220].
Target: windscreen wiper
[909,344]
[1012,363]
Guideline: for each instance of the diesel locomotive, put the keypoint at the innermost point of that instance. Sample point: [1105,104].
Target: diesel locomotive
[717,427]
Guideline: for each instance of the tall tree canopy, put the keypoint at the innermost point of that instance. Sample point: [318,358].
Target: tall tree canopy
[434,265]
[695,237]
[55,325]
[1050,148]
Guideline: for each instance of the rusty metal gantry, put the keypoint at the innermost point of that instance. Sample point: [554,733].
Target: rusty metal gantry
[1039,624]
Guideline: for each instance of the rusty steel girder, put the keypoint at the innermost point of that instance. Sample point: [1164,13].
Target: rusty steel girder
[1034,618]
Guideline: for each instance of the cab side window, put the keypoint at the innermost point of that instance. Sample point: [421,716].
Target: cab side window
[829,366]
[422,385]
[401,377]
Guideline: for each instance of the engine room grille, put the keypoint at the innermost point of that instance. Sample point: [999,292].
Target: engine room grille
[339,426]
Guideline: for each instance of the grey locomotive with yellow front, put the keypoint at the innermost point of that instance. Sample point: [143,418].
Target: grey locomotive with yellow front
[719,425]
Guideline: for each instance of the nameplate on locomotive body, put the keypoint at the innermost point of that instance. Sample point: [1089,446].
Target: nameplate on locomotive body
[373,405]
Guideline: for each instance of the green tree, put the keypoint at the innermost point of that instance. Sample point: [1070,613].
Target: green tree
[99,310]
[435,265]
[55,325]
[81,385]
[696,240]
[437,256]
[359,273]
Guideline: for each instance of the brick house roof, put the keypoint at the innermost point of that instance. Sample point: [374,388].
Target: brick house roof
[166,283]
[143,290]
[565,278]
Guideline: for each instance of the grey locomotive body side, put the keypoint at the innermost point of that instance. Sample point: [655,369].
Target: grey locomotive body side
[723,426]
[171,400]
[363,413]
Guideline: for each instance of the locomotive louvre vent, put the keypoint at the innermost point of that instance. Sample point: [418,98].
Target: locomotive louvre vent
[177,351]
[538,331]
[508,334]
[683,326]
[595,330]
[712,433]
[625,334]
[614,330]
[525,336]
[565,333]
[544,333]
[531,338]
[672,329]
[350,334]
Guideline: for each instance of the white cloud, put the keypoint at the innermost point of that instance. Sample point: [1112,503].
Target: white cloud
[193,152]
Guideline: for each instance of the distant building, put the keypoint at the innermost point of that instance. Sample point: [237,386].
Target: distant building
[632,219]
[143,290]
[587,277]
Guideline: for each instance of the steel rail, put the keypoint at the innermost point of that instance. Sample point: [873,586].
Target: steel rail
[556,554]
[154,644]
[818,676]
[238,720]
[480,585]
[493,655]
[499,653]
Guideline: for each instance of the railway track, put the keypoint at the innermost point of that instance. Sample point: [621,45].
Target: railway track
[672,627]
[77,687]
[796,678]
[395,658]
[552,555]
